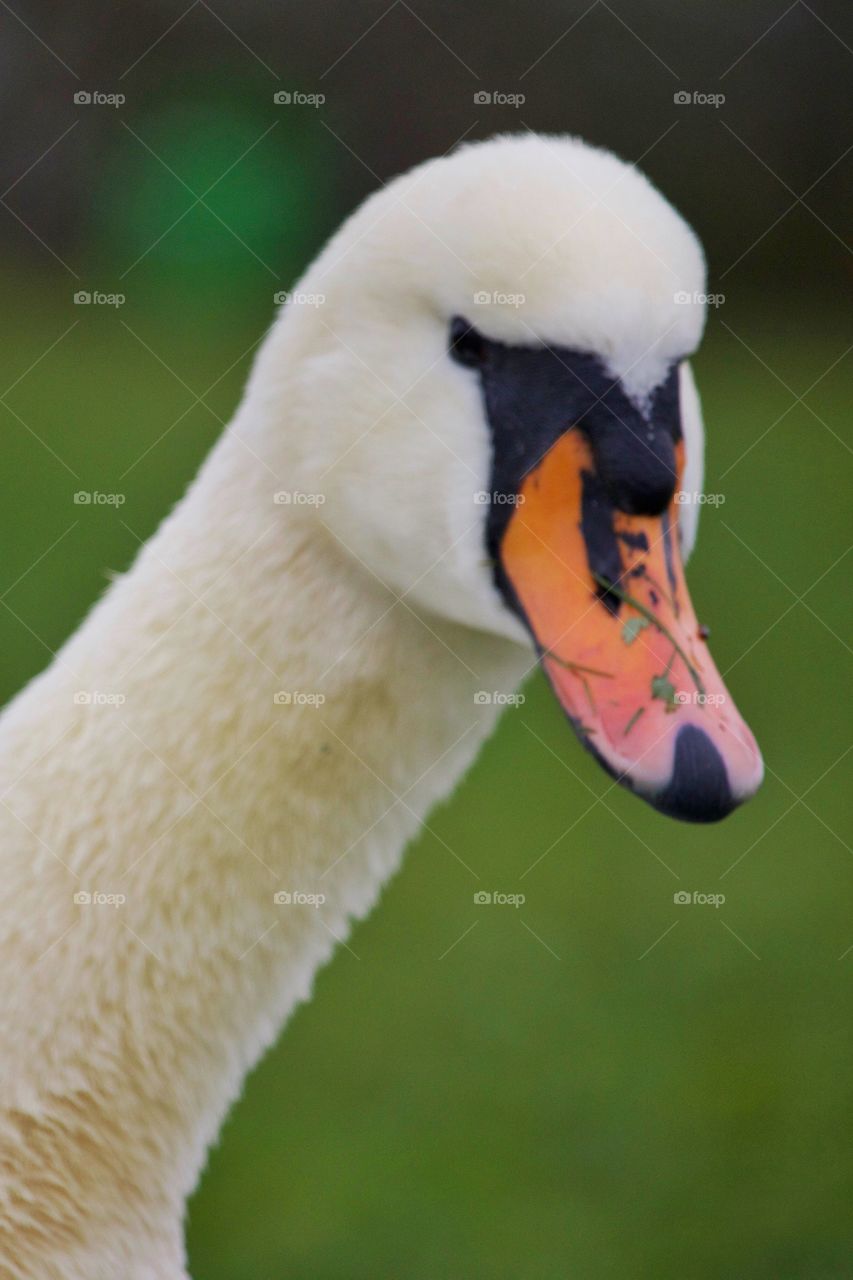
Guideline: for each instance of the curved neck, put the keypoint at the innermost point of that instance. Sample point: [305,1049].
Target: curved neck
[215,776]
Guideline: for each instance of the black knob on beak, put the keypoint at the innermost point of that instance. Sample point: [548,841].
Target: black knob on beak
[699,789]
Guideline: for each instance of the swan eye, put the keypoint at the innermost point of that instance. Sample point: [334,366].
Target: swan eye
[467,346]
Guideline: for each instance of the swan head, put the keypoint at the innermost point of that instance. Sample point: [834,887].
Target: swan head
[485,376]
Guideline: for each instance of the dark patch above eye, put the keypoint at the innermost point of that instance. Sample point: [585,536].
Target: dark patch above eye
[467,345]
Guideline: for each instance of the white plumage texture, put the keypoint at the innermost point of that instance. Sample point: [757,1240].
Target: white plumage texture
[128,1028]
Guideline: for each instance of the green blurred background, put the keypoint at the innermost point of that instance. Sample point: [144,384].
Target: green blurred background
[600,1083]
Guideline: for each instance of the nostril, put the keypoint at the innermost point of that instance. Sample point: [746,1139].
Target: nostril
[699,789]
[635,461]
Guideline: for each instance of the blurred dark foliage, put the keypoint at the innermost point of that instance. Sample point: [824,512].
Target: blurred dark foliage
[399,83]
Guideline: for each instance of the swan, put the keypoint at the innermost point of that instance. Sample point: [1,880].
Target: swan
[470,442]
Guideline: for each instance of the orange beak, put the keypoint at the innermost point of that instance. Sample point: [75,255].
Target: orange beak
[622,649]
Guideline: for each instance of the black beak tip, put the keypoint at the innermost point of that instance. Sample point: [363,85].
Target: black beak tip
[699,789]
